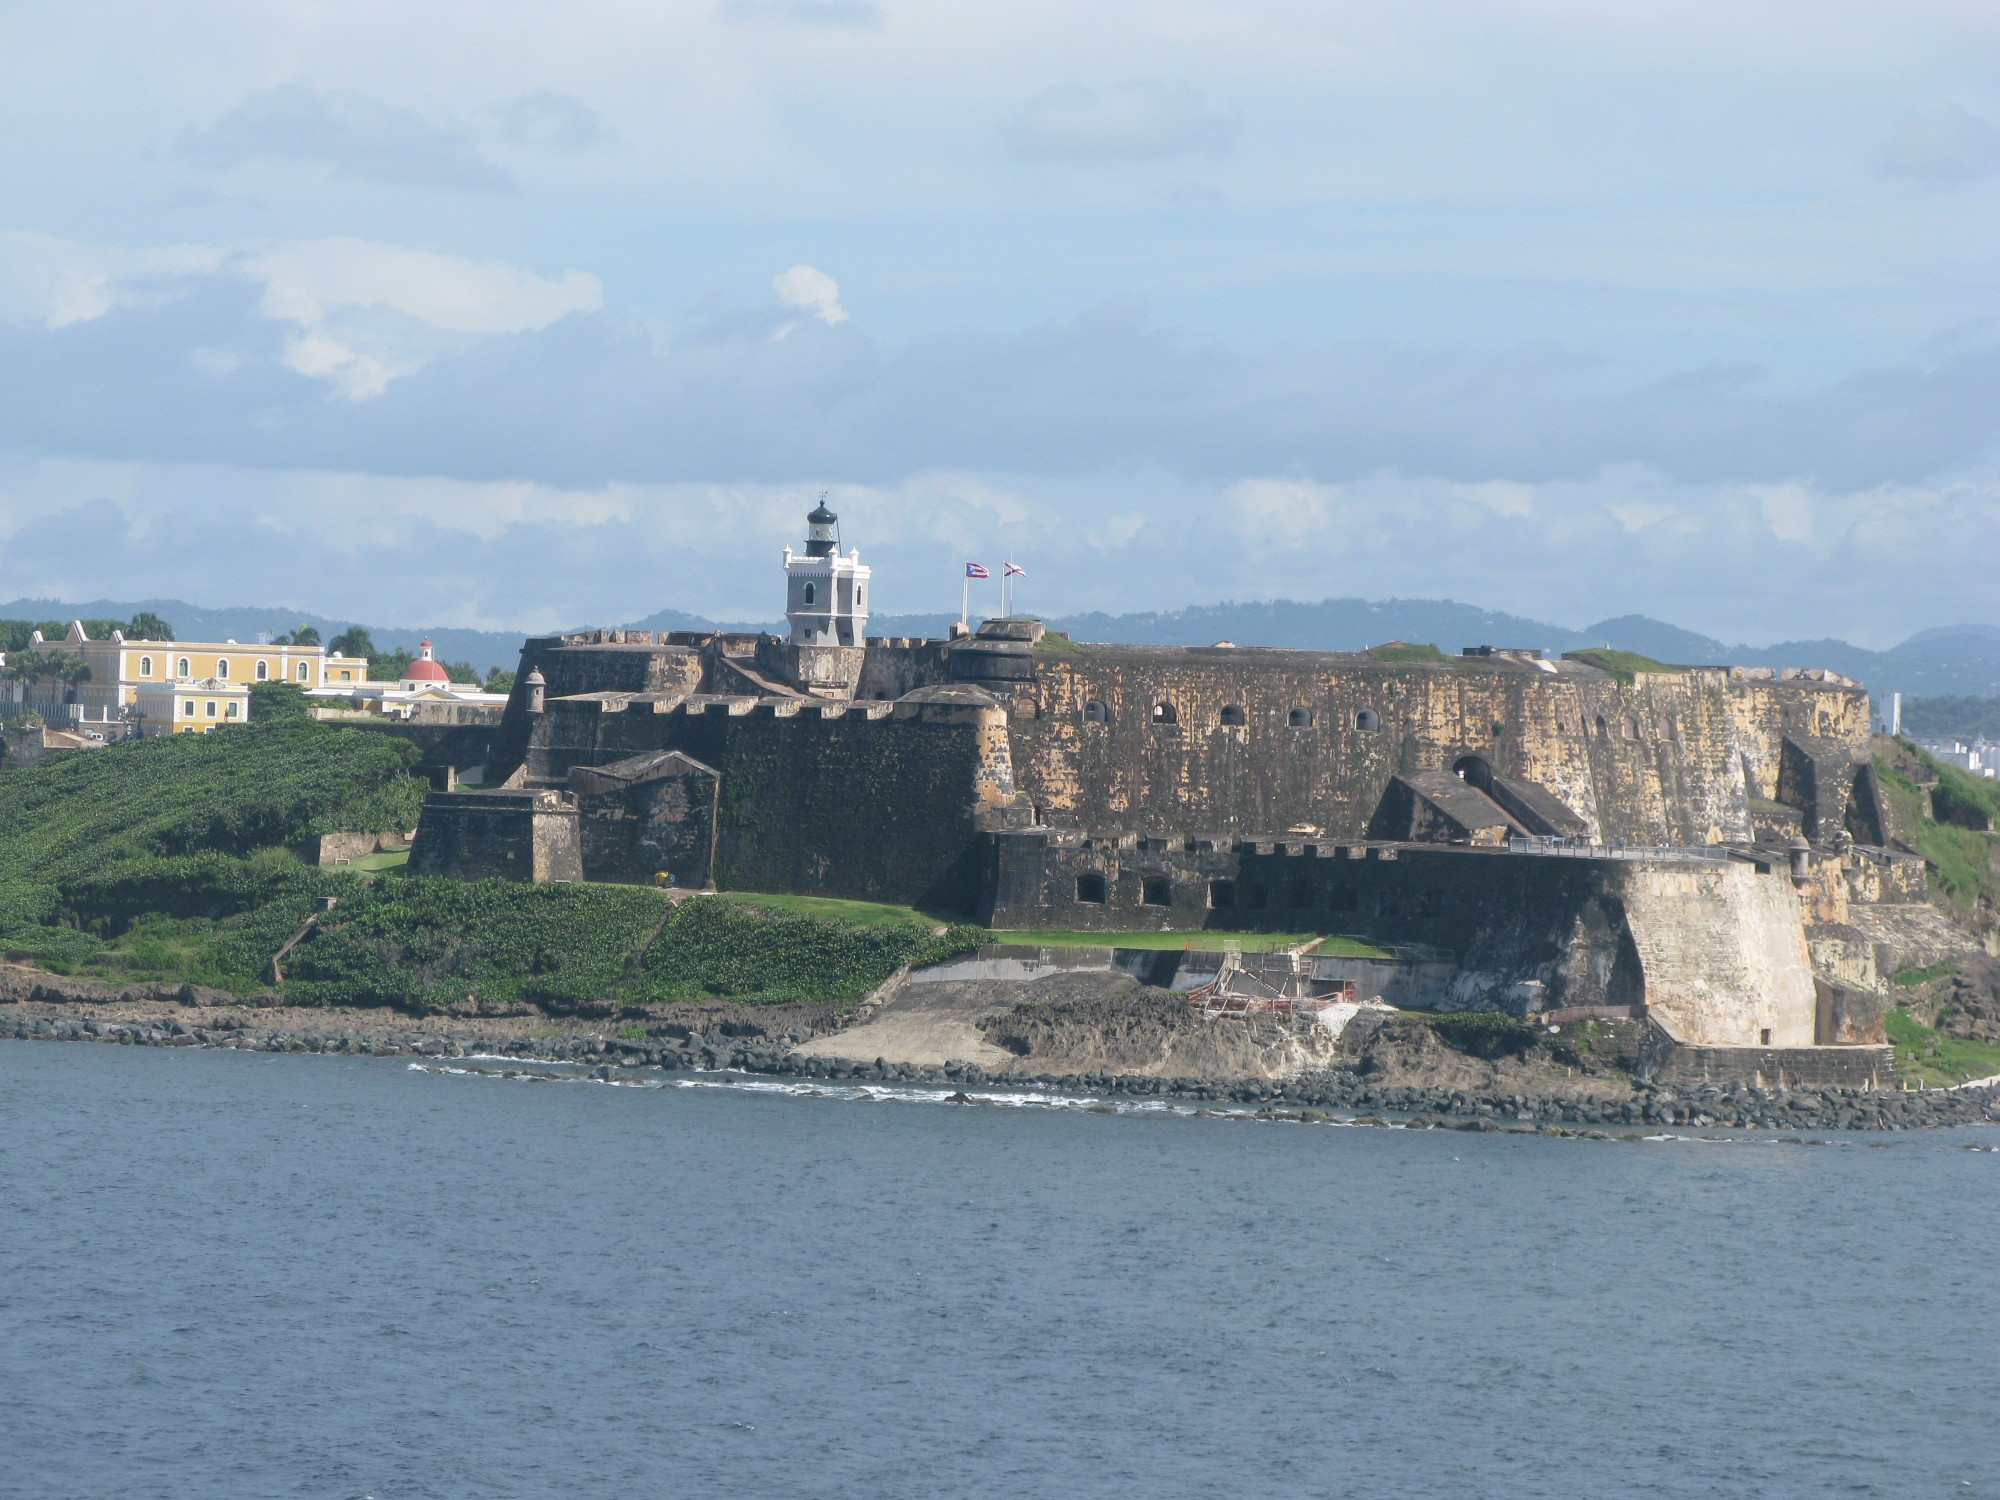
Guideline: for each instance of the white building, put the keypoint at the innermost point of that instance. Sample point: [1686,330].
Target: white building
[826,595]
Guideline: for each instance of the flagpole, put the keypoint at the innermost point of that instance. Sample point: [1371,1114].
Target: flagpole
[964,603]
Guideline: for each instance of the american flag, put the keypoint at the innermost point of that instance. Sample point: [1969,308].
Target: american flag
[976,570]
[1013,570]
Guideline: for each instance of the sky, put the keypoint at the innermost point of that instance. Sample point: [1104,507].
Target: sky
[518,316]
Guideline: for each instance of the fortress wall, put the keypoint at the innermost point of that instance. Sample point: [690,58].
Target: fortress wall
[854,801]
[895,667]
[1478,930]
[1657,761]
[598,668]
[510,835]
[1724,953]
[1713,946]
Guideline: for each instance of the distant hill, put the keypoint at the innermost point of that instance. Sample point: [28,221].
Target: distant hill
[1950,660]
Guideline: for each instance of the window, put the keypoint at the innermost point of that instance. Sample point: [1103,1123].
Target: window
[1300,718]
[303,670]
[1764,1037]
[1222,894]
[1096,713]
[190,708]
[222,668]
[184,672]
[145,666]
[811,593]
[1233,715]
[857,597]
[1367,721]
[211,708]
[230,712]
[1603,728]
[1156,890]
[1091,887]
[345,675]
[263,671]
[1165,713]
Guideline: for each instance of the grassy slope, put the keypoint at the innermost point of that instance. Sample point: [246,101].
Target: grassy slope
[1961,858]
[163,860]
[1925,1055]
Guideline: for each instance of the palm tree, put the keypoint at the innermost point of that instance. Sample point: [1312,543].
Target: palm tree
[147,626]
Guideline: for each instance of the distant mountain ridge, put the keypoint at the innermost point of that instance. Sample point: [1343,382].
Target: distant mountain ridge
[1945,660]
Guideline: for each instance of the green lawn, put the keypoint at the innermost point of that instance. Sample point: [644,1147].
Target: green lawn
[1207,941]
[375,864]
[832,909]
[1924,1056]
[1623,664]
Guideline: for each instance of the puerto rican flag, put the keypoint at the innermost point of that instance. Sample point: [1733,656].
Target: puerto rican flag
[976,570]
[1013,570]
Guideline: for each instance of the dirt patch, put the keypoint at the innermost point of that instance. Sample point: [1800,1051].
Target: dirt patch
[1404,1050]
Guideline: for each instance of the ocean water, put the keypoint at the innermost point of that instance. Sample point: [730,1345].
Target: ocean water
[229,1274]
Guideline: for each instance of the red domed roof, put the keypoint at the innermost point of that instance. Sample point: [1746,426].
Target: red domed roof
[425,668]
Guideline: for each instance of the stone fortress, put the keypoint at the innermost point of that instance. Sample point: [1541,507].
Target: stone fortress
[1705,846]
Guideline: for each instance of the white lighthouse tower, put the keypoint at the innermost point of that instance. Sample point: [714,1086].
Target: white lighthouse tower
[826,595]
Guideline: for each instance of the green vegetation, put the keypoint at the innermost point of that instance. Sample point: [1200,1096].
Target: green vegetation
[1056,640]
[1924,1055]
[1955,718]
[166,859]
[499,681]
[1960,858]
[1624,665]
[1403,651]
[144,626]
[1924,975]
[830,909]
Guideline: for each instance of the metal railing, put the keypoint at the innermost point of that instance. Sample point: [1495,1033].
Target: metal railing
[1577,849]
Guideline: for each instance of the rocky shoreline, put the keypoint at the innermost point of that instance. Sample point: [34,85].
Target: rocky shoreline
[1306,1096]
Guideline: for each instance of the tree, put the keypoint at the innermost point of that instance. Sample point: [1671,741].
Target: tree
[147,626]
[390,667]
[270,701]
[499,680]
[353,641]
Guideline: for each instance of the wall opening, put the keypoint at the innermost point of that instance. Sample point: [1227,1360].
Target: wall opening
[1233,715]
[1603,728]
[1091,887]
[1764,1037]
[1166,713]
[1096,713]
[263,671]
[1367,721]
[1300,718]
[1156,890]
[810,595]
[1631,728]
[1222,894]
[1474,770]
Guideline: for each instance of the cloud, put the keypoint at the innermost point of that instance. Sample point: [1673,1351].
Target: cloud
[352,134]
[551,122]
[1948,145]
[811,291]
[860,14]
[360,313]
[1141,120]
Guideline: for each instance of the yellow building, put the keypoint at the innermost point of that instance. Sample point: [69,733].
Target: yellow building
[189,707]
[120,668]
